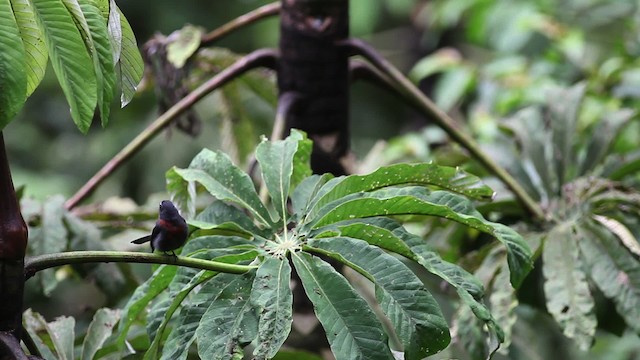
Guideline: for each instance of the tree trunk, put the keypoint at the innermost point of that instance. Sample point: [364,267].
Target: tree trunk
[316,71]
[13,244]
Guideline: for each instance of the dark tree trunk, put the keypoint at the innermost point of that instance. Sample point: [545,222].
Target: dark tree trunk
[13,244]
[316,71]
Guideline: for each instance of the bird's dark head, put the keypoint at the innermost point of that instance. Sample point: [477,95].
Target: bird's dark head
[168,210]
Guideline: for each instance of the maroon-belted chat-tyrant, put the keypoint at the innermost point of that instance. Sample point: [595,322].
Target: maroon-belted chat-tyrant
[171,230]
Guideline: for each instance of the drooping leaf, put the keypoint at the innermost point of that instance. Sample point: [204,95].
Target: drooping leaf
[230,322]
[99,330]
[13,75]
[115,31]
[183,334]
[414,313]
[599,144]
[503,304]
[35,323]
[351,327]
[613,269]
[276,164]
[225,181]
[71,61]
[146,292]
[102,58]
[414,200]
[129,63]
[36,51]
[621,231]
[273,298]
[62,334]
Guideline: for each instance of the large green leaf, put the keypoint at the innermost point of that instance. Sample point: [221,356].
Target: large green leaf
[567,292]
[183,193]
[225,181]
[35,324]
[224,215]
[414,313]
[130,62]
[305,192]
[71,61]
[417,201]
[276,163]
[604,133]
[62,334]
[273,298]
[613,269]
[148,291]
[351,327]
[230,322]
[564,106]
[102,58]
[13,77]
[444,177]
[183,333]
[34,46]
[99,330]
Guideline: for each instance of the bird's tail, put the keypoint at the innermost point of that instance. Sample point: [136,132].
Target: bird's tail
[142,240]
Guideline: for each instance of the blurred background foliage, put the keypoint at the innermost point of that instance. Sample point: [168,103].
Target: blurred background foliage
[480,60]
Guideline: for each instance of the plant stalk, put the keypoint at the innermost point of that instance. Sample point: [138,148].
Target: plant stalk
[262,57]
[37,263]
[426,106]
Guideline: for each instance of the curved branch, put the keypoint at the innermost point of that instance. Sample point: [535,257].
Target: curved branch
[426,106]
[263,57]
[36,263]
[239,22]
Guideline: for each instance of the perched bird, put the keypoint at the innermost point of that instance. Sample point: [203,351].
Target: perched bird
[170,232]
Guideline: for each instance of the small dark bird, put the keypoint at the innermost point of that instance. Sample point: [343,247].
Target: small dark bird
[170,232]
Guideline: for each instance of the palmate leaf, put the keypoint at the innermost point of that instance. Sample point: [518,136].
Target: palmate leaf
[566,290]
[225,181]
[71,62]
[230,322]
[613,269]
[13,77]
[187,321]
[351,327]
[276,163]
[273,298]
[449,178]
[36,51]
[418,201]
[98,332]
[412,310]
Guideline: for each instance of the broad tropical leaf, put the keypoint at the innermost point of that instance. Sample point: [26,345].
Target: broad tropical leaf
[351,327]
[13,77]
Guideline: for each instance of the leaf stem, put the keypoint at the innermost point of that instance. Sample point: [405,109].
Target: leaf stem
[427,107]
[241,21]
[36,263]
[262,57]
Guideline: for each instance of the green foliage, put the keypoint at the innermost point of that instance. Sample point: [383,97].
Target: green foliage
[60,334]
[307,221]
[86,41]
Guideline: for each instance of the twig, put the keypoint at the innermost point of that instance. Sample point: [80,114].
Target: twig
[427,107]
[239,22]
[262,57]
[36,263]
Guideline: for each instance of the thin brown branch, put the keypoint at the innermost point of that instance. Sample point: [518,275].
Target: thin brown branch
[10,347]
[262,57]
[239,22]
[427,107]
